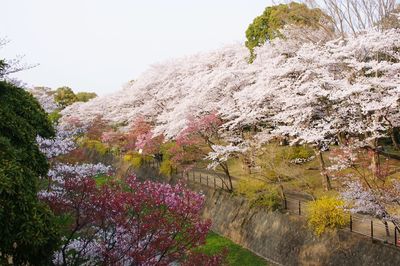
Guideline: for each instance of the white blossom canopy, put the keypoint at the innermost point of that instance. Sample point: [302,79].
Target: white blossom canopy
[308,91]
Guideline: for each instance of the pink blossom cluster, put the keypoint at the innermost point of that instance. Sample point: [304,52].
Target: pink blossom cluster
[124,222]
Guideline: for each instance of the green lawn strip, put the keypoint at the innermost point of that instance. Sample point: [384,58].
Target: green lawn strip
[237,255]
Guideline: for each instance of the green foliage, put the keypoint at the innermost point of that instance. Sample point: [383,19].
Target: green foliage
[301,152]
[327,213]
[259,193]
[64,96]
[102,179]
[165,149]
[28,233]
[85,96]
[54,117]
[95,145]
[268,25]
[237,256]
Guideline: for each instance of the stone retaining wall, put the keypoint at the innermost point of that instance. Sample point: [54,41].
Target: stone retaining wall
[285,239]
[282,238]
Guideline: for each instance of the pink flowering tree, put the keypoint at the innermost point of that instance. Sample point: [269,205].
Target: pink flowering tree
[139,128]
[141,137]
[149,143]
[124,221]
[202,139]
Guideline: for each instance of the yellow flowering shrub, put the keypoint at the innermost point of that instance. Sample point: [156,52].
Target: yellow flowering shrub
[135,159]
[166,168]
[327,213]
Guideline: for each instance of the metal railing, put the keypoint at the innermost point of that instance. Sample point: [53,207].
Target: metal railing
[215,182]
[365,225]
[209,179]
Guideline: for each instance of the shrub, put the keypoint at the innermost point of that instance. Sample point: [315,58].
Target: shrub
[327,213]
[135,159]
[259,193]
[300,152]
[166,168]
[95,145]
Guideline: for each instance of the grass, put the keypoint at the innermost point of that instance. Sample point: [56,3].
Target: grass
[237,256]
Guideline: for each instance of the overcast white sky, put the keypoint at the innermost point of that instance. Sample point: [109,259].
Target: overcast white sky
[98,45]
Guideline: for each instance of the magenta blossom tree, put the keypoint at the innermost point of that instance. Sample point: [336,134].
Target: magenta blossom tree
[125,222]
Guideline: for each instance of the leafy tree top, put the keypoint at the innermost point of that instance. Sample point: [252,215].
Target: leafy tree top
[21,120]
[85,96]
[65,96]
[269,24]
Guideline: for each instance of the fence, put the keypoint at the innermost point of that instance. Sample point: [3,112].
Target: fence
[209,179]
[361,224]
[205,179]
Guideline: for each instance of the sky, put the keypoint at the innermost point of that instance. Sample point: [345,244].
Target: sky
[99,45]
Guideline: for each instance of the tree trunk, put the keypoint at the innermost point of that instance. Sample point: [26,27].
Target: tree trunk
[282,192]
[375,163]
[224,167]
[342,138]
[246,164]
[325,176]
[387,229]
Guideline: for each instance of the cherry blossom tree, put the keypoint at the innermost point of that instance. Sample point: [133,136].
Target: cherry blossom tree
[367,189]
[202,138]
[64,141]
[307,92]
[45,97]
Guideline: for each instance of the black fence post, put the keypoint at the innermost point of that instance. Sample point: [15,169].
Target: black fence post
[395,236]
[351,223]
[299,207]
[200,178]
[215,183]
[372,230]
[285,202]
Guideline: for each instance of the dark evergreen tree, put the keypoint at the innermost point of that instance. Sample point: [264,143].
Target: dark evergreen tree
[28,232]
